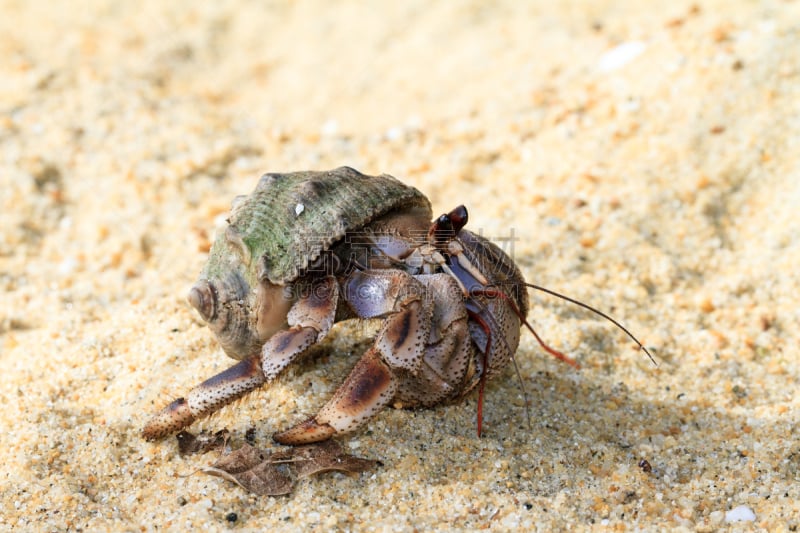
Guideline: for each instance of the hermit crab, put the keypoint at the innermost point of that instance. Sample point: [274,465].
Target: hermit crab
[307,249]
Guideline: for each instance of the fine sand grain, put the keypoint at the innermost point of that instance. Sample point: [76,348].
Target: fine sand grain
[645,160]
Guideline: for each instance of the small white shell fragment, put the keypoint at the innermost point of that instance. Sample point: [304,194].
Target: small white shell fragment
[742,513]
[620,55]
[299,208]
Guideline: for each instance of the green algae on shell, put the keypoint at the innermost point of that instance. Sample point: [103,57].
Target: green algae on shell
[290,219]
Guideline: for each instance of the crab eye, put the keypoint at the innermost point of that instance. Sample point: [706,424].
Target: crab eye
[458,218]
[441,231]
[447,226]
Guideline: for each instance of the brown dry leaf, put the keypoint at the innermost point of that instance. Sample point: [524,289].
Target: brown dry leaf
[189,444]
[326,457]
[273,474]
[254,470]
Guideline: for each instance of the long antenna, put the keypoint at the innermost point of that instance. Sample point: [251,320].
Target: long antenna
[596,311]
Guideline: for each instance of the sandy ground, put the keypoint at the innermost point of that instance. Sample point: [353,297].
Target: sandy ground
[646,160]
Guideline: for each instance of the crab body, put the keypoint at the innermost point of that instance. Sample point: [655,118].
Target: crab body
[307,249]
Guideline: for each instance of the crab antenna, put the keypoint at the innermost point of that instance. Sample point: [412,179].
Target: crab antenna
[596,311]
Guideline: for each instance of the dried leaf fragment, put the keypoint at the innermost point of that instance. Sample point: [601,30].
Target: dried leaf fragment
[326,457]
[253,470]
[274,474]
[189,444]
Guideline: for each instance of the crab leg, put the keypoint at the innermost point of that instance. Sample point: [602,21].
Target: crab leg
[310,319]
[400,344]
[206,398]
[368,389]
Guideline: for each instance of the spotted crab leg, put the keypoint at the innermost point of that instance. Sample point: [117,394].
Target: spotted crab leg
[368,389]
[309,319]
[206,398]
